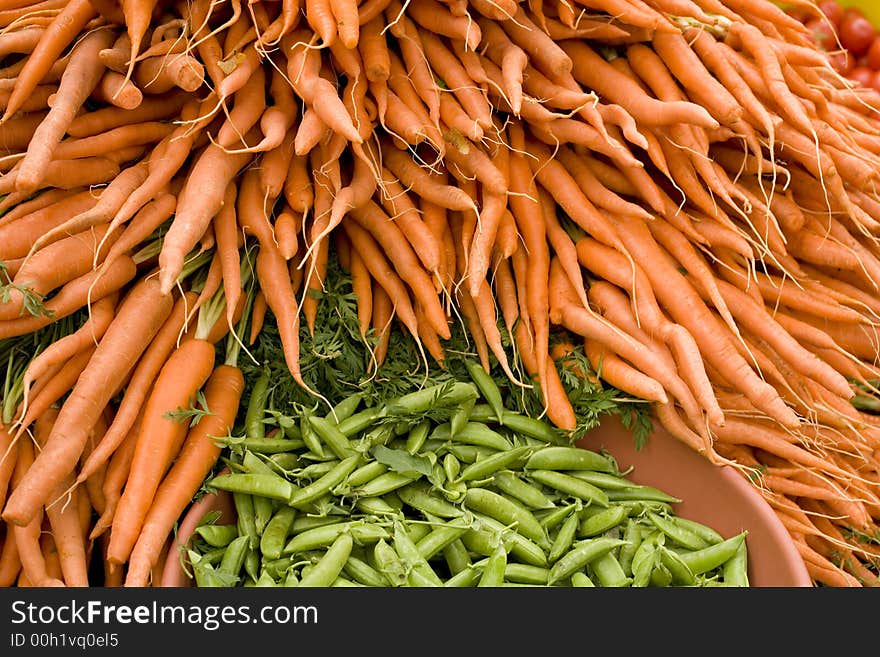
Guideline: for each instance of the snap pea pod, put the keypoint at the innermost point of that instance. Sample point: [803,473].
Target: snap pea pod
[419,571]
[473,433]
[482,468]
[581,580]
[564,537]
[571,485]
[488,389]
[550,518]
[451,467]
[706,533]
[244,509]
[217,535]
[632,534]
[465,578]
[378,506]
[263,485]
[485,533]
[330,435]
[325,572]
[608,571]
[523,573]
[582,553]
[234,556]
[460,417]
[508,512]
[264,445]
[418,495]
[275,534]
[360,531]
[709,558]
[365,473]
[532,496]
[456,556]
[678,569]
[307,494]
[527,426]
[735,569]
[641,494]
[468,453]
[363,573]
[421,401]
[385,483]
[309,436]
[344,409]
[439,537]
[601,522]
[493,570]
[677,533]
[360,421]
[256,409]
[389,563]
[556,457]
[417,436]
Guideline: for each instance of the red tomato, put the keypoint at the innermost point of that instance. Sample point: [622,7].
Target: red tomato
[822,34]
[872,58]
[863,75]
[832,10]
[856,33]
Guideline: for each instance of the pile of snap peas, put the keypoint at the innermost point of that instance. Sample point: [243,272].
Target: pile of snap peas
[443,486]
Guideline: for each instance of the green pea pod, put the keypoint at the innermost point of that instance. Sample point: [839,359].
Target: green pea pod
[360,531]
[484,413]
[263,485]
[734,571]
[267,445]
[290,579]
[244,510]
[330,435]
[521,547]
[417,531]
[564,538]
[439,537]
[275,534]
[217,535]
[325,572]
[304,523]
[360,421]
[417,436]
[284,462]
[706,533]
[456,556]
[681,574]
[493,570]
[451,467]
[344,409]
[581,580]
[533,428]
[481,435]
[205,574]
[304,496]
[643,563]
[419,571]
[571,486]
[493,463]
[469,453]
[641,494]
[512,485]
[709,558]
[426,399]
[377,506]
[365,473]
[660,576]
[252,563]
[487,387]
[556,457]
[523,573]
[551,518]
[233,556]
[309,436]
[508,512]
[418,495]
[465,578]
[363,573]
[264,509]
[609,572]
[256,408]
[389,563]
[342,582]
[581,553]
[460,417]
[633,537]
[603,480]
[277,568]
[385,483]
[601,522]
[677,533]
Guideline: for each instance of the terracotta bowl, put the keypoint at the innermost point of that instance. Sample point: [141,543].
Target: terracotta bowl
[719,497]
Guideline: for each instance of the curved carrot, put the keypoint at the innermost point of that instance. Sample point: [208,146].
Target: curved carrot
[139,317]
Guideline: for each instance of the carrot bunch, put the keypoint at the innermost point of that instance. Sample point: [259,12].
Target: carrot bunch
[683,188]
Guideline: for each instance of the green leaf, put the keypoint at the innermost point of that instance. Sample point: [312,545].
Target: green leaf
[400,460]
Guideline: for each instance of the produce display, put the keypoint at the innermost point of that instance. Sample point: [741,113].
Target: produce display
[662,209]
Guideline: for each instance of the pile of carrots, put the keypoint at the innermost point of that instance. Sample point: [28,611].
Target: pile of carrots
[685,188]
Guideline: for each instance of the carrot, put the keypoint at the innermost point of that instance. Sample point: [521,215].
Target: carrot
[10,563]
[160,74]
[200,199]
[114,481]
[159,439]
[73,296]
[139,317]
[58,35]
[258,315]
[424,183]
[197,456]
[50,268]
[142,379]
[380,322]
[138,17]
[152,108]
[27,536]
[8,456]
[81,76]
